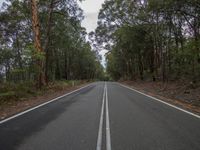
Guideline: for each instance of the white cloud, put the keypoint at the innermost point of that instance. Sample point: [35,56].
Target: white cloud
[91,6]
[91,9]
[1,1]
[90,21]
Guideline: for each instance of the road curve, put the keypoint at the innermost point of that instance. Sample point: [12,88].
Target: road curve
[102,116]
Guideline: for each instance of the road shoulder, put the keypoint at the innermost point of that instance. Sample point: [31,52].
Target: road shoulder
[9,109]
[176,102]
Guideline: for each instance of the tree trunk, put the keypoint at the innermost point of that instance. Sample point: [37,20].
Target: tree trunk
[141,68]
[37,43]
[48,31]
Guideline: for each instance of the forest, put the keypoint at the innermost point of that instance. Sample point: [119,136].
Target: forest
[43,41]
[157,40]
[44,51]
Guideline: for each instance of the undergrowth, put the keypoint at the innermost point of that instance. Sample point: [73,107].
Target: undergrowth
[20,91]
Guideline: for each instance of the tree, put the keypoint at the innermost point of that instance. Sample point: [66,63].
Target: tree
[46,42]
[151,38]
[37,43]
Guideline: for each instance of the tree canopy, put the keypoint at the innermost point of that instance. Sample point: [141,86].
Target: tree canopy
[151,39]
[43,41]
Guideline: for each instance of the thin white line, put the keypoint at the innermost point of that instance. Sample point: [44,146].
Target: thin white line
[31,109]
[190,113]
[99,139]
[108,139]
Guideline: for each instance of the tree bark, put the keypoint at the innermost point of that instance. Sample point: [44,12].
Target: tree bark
[48,31]
[37,43]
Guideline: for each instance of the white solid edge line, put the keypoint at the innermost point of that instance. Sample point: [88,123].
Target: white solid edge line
[38,106]
[108,138]
[190,113]
[99,139]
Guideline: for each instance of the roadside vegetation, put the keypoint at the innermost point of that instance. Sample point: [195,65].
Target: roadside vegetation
[11,92]
[43,46]
[153,41]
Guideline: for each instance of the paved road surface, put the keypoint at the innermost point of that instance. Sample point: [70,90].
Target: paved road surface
[102,116]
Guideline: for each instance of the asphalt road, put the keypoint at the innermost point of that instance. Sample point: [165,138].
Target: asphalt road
[102,116]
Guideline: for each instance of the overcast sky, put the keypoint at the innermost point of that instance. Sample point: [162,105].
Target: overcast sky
[1,2]
[91,9]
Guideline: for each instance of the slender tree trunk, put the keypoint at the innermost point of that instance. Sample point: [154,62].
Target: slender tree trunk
[141,68]
[48,31]
[66,66]
[19,59]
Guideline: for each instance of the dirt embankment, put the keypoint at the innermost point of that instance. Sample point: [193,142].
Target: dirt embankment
[181,94]
[13,106]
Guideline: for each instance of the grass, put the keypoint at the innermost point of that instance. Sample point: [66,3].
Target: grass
[19,91]
[13,92]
